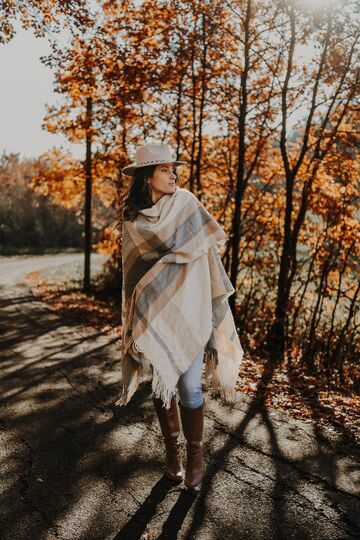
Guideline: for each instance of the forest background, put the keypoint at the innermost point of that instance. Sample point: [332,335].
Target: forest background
[221,83]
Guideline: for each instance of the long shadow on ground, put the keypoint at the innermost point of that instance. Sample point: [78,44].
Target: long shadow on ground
[73,463]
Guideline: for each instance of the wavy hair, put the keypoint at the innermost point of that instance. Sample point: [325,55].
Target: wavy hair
[138,194]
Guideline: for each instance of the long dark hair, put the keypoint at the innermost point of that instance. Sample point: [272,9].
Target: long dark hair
[138,194]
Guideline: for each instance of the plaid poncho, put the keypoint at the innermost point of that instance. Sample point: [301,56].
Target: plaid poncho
[174,299]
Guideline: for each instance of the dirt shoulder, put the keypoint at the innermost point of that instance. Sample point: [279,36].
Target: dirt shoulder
[286,388]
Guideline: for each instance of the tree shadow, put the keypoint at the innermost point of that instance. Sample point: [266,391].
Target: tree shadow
[288,477]
[137,524]
[310,397]
[330,456]
[63,437]
[56,420]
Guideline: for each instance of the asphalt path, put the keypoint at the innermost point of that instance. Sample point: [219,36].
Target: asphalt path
[74,466]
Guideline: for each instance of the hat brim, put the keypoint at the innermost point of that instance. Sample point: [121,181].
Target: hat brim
[130,169]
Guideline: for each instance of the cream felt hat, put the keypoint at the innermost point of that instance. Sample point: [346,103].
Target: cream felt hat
[151,154]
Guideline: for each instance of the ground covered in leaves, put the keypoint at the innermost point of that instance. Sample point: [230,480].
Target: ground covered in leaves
[287,387]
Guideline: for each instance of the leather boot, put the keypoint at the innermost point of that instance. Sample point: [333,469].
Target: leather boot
[170,429]
[193,428]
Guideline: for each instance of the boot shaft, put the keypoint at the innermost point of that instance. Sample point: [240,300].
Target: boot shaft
[192,422]
[168,418]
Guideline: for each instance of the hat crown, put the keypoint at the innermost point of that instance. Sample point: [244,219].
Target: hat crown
[153,153]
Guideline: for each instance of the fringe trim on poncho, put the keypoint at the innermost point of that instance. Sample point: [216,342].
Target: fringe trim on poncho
[175,292]
[141,373]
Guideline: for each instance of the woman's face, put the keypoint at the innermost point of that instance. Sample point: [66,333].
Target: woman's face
[162,181]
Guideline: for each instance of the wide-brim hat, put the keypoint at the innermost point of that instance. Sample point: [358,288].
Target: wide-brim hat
[151,154]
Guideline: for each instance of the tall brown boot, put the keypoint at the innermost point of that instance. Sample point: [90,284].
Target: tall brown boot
[170,429]
[193,428]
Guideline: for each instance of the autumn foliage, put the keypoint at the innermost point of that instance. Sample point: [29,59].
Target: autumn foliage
[261,99]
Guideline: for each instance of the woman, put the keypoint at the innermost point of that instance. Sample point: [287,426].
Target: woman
[175,311]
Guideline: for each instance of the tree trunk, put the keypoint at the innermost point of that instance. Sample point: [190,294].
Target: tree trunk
[88,182]
[241,180]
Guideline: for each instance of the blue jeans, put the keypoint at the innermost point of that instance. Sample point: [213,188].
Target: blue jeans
[189,383]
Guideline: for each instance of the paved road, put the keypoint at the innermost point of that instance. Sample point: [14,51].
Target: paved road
[73,466]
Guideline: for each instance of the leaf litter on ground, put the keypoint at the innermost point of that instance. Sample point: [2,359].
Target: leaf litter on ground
[290,388]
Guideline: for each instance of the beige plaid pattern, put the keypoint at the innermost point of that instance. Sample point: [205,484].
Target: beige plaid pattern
[174,299]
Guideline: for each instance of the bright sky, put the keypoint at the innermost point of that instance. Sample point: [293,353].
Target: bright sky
[24,90]
[25,87]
